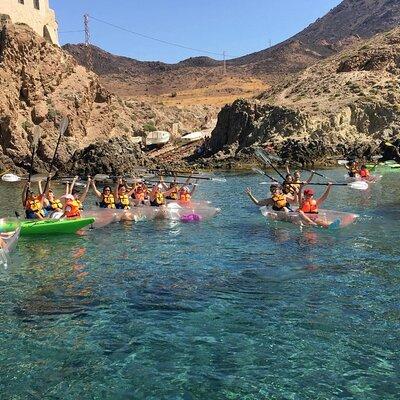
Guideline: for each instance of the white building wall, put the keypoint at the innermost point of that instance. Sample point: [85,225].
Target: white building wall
[27,14]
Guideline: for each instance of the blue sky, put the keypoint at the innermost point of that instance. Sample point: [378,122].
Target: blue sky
[237,26]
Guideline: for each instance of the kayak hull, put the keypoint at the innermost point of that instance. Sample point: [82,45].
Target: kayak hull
[341,219]
[10,229]
[54,226]
[373,178]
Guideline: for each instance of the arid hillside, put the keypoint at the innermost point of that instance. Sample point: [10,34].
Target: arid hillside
[201,80]
[346,104]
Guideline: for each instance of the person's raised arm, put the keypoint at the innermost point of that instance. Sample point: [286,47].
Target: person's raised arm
[116,194]
[193,188]
[288,169]
[310,178]
[259,203]
[325,195]
[73,184]
[96,191]
[41,188]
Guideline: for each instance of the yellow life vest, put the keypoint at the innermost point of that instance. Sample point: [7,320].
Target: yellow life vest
[159,200]
[107,201]
[34,205]
[279,201]
[185,197]
[56,204]
[124,201]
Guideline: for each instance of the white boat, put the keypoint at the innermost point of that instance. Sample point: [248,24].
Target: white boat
[157,138]
[193,137]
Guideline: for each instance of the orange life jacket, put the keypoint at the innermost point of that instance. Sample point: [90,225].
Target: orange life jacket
[364,173]
[139,196]
[185,197]
[309,206]
[72,209]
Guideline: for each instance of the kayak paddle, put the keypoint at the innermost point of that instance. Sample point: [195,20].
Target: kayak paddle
[62,129]
[262,155]
[357,185]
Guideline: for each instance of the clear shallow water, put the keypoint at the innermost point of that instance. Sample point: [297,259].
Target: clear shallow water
[234,308]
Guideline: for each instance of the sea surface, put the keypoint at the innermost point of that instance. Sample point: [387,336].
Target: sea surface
[232,308]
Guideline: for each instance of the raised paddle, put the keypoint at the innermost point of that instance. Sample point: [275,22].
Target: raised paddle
[262,156]
[358,185]
[16,178]
[62,129]
[261,172]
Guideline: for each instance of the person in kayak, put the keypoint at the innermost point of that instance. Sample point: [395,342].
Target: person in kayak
[122,196]
[53,204]
[158,194]
[364,172]
[106,197]
[352,169]
[80,198]
[71,207]
[278,200]
[294,181]
[185,194]
[32,203]
[140,194]
[309,207]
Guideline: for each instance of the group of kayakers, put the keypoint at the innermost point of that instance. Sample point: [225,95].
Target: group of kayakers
[291,196]
[45,203]
[354,170]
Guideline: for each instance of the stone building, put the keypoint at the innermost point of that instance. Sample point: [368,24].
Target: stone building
[35,13]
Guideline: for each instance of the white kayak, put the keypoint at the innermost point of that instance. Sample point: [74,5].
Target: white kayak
[373,178]
[333,219]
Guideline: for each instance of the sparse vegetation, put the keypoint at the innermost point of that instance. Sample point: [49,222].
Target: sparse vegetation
[149,127]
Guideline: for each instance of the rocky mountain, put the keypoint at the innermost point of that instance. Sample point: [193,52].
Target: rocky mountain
[41,83]
[347,23]
[346,104]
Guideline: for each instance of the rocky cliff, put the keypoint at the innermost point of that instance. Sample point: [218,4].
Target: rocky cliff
[347,104]
[41,83]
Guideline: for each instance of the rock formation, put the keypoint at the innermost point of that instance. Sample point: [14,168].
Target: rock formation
[347,104]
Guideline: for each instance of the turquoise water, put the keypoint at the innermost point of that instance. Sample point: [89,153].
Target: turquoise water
[233,308]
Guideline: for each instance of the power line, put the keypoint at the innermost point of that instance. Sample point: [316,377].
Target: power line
[80,31]
[158,40]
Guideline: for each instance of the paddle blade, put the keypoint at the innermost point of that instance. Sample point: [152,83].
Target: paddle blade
[378,157]
[342,162]
[358,185]
[261,155]
[11,178]
[40,177]
[64,125]
[259,171]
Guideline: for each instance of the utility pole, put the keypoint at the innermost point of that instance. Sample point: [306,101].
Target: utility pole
[224,55]
[89,58]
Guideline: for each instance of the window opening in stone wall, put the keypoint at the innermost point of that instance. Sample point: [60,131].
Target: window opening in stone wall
[36,4]
[21,1]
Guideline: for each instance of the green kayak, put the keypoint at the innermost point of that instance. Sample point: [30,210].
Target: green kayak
[53,226]
[387,166]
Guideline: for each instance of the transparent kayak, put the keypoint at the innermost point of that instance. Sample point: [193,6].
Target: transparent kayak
[191,212]
[373,178]
[335,219]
